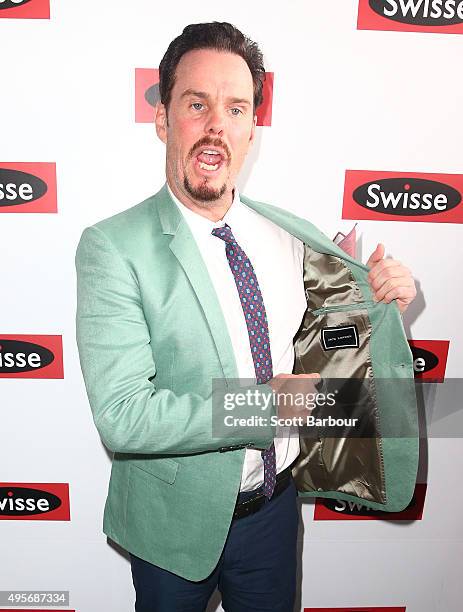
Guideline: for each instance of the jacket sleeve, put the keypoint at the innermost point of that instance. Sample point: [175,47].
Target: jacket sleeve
[131,414]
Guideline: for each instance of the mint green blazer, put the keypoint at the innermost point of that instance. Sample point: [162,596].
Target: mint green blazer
[151,337]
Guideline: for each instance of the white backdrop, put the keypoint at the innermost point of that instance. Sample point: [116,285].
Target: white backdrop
[343,99]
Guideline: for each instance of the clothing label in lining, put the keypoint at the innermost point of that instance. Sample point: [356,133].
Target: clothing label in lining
[339,337]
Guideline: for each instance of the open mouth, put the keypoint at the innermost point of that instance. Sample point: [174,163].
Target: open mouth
[210,159]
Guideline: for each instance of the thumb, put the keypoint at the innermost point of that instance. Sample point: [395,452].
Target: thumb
[376,256]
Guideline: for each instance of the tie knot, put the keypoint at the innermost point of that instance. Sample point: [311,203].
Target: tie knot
[224,233]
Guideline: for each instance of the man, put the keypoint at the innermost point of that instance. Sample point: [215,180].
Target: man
[189,286]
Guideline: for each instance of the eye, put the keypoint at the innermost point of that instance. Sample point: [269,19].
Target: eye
[197,106]
[236,111]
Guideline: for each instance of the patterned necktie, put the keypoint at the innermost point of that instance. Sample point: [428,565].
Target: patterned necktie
[256,322]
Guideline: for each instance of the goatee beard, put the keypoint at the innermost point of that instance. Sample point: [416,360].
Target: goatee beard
[203,193]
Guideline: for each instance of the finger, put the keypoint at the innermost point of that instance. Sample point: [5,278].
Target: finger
[401,292]
[392,273]
[389,285]
[384,264]
[376,256]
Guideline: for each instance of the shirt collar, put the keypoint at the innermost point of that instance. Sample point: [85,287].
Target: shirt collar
[203,224]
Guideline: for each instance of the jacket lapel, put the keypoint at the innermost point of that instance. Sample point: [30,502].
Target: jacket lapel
[302,229]
[185,249]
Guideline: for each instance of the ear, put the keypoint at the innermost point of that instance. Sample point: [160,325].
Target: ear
[253,130]
[160,121]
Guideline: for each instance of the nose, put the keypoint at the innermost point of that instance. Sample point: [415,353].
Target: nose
[215,123]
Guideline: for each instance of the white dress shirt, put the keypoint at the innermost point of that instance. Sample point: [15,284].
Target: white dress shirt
[277,259]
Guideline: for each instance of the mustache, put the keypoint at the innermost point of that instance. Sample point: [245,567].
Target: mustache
[207,141]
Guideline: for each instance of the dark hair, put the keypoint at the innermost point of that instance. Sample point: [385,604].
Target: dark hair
[221,36]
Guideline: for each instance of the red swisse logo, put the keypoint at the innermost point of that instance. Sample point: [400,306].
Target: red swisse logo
[438,16]
[25,9]
[28,187]
[26,356]
[339,510]
[357,609]
[34,501]
[147,95]
[429,359]
[403,196]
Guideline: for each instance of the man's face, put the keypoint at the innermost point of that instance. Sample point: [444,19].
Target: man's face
[209,126]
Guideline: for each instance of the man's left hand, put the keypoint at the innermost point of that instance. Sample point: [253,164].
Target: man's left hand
[390,280]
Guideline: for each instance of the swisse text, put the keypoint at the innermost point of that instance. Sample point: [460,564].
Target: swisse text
[407,196]
[20,360]
[10,191]
[423,360]
[5,4]
[20,356]
[413,201]
[19,501]
[420,12]
[350,507]
[18,187]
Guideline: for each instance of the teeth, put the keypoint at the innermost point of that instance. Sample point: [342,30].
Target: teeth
[210,152]
[207,166]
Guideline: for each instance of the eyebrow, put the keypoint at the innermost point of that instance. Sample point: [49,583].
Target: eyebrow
[206,96]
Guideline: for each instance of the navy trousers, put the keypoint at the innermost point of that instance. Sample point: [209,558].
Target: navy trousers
[255,573]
